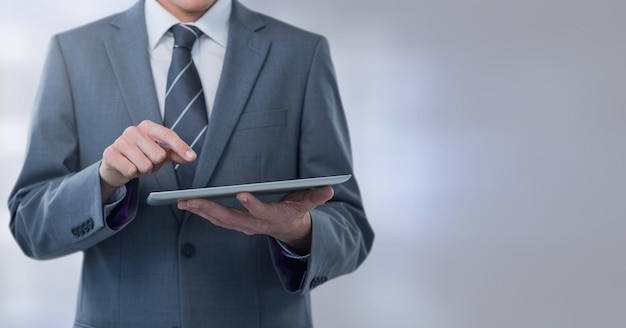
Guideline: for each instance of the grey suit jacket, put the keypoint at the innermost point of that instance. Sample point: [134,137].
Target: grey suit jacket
[277,115]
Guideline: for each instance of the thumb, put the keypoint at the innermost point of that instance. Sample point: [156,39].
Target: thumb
[321,195]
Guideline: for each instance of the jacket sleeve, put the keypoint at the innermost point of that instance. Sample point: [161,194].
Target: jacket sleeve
[342,236]
[56,207]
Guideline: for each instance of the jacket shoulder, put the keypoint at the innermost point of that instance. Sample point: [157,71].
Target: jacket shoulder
[103,26]
[273,28]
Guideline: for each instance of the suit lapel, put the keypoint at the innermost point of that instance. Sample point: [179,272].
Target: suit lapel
[127,48]
[245,55]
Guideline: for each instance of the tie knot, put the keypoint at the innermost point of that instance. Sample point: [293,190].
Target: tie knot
[185,35]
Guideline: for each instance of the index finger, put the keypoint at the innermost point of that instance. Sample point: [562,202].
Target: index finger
[167,138]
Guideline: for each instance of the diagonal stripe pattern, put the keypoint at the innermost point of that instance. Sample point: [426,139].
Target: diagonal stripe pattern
[185,107]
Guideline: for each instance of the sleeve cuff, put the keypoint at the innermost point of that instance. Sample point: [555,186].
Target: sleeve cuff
[292,270]
[114,200]
[116,210]
[288,252]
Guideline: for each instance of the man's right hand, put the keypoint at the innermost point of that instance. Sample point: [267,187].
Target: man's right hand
[141,150]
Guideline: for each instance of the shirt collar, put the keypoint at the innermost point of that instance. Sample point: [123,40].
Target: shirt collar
[214,23]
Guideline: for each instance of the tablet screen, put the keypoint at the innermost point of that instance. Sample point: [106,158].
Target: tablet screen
[172,197]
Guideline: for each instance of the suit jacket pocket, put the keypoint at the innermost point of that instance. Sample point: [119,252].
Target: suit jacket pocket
[262,119]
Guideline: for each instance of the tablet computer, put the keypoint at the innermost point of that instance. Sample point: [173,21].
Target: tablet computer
[172,197]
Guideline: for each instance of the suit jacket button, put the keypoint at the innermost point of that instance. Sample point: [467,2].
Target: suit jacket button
[188,250]
[317,281]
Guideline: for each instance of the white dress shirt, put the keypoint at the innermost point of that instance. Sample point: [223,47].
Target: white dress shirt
[207,53]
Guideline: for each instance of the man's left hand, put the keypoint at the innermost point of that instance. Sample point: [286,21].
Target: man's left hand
[287,220]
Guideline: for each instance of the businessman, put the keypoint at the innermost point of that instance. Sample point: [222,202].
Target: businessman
[177,94]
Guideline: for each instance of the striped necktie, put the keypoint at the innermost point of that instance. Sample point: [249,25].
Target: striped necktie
[185,107]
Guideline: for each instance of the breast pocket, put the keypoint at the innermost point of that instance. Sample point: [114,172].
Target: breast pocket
[262,119]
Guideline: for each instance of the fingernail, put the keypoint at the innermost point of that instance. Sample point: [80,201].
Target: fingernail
[190,155]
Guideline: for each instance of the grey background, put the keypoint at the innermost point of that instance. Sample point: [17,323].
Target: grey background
[488,139]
